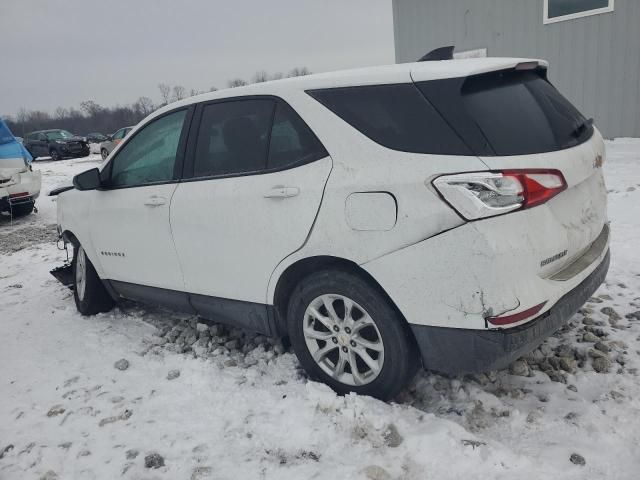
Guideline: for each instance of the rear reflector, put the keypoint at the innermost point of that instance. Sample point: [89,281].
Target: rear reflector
[518,317]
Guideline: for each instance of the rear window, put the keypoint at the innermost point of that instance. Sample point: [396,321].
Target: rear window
[502,113]
[517,113]
[395,116]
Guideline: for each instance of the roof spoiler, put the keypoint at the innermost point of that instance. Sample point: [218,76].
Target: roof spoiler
[442,53]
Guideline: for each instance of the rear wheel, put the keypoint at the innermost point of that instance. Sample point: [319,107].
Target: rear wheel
[347,335]
[89,293]
[104,153]
[54,154]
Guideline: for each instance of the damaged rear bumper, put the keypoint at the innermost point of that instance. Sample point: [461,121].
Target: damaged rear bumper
[458,351]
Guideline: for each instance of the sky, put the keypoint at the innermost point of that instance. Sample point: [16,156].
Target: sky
[59,53]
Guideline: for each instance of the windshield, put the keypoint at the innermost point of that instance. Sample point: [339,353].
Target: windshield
[58,135]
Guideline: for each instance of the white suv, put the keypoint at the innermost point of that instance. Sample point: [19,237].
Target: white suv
[451,213]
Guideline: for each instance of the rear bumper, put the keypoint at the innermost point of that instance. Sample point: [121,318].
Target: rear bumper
[25,190]
[458,351]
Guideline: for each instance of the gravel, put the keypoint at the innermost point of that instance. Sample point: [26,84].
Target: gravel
[577,459]
[121,364]
[601,365]
[153,460]
[15,239]
[391,436]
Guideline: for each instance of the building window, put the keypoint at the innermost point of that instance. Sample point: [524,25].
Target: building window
[560,10]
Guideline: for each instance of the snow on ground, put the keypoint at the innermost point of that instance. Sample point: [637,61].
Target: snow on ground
[241,407]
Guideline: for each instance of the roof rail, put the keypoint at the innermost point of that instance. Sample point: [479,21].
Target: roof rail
[442,53]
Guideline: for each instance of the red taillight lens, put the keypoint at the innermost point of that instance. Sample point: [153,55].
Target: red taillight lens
[486,194]
[539,186]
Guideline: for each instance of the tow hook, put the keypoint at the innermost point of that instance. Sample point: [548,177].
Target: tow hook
[63,273]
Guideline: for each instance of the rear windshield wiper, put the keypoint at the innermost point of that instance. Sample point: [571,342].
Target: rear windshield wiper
[582,126]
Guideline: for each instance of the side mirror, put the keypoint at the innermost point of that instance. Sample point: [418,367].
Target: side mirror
[89,180]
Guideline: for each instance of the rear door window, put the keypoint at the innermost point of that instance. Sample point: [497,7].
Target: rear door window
[233,138]
[292,142]
[396,116]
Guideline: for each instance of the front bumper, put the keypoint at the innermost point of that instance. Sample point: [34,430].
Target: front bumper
[458,351]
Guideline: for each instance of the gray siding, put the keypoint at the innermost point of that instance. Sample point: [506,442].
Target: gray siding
[594,61]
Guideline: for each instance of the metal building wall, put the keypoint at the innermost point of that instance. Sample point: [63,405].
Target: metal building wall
[594,61]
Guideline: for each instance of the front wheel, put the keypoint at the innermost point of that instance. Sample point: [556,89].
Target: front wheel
[104,153]
[89,293]
[55,155]
[347,335]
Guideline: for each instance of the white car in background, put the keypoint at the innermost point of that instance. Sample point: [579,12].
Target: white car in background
[449,214]
[19,184]
[112,141]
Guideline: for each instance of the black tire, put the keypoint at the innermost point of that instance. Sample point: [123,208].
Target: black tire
[93,298]
[400,360]
[55,155]
[21,210]
[104,154]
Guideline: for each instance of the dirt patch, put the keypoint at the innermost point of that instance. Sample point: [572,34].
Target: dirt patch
[16,239]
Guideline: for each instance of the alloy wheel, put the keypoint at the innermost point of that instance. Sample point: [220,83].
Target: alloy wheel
[81,273]
[343,339]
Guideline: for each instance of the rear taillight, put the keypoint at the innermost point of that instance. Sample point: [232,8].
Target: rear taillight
[486,194]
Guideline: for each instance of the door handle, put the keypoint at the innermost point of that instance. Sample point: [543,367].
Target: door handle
[155,201]
[282,192]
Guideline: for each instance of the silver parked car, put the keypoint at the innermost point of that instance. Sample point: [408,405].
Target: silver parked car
[112,141]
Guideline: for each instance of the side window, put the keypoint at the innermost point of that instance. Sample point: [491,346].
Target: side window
[119,134]
[233,138]
[396,116]
[150,155]
[292,141]
[42,137]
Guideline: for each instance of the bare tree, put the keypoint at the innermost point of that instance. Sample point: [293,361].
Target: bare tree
[61,113]
[144,105]
[195,92]
[277,76]
[299,72]
[165,92]
[213,89]
[236,82]
[90,108]
[179,92]
[260,77]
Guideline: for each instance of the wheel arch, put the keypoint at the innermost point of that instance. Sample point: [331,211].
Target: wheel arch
[298,270]
[69,236]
